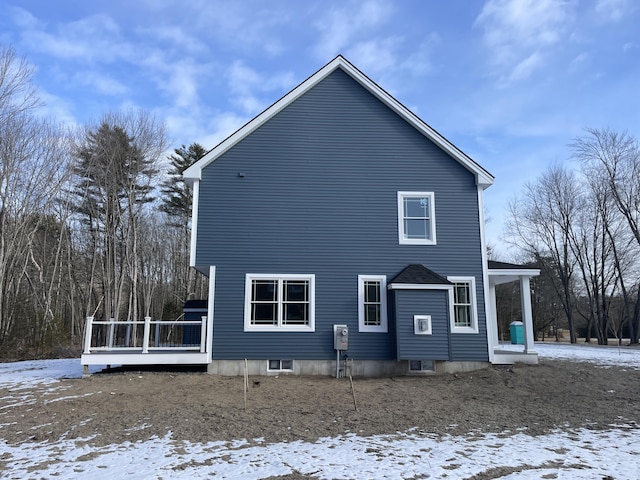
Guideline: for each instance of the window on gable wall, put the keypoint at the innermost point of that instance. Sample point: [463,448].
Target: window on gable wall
[372,303]
[464,305]
[416,218]
[279,303]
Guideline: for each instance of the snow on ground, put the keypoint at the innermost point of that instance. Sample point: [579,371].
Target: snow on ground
[576,454]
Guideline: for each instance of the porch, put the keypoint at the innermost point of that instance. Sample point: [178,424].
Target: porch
[501,354]
[146,342]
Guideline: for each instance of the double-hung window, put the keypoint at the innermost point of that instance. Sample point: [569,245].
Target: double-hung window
[372,303]
[279,303]
[416,218]
[464,305]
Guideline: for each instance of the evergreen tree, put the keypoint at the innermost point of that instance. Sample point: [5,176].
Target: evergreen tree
[177,197]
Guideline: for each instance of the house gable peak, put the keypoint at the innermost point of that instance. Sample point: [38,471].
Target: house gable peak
[483,177]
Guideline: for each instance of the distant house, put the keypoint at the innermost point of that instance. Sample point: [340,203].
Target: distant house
[338,211]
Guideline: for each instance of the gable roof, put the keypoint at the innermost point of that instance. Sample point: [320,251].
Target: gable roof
[419,275]
[483,177]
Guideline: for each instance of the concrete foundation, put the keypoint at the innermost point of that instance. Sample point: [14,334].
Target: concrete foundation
[355,368]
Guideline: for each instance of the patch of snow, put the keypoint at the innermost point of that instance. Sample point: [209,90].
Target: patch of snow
[578,454]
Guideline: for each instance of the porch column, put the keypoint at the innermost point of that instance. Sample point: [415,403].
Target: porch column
[493,317]
[527,316]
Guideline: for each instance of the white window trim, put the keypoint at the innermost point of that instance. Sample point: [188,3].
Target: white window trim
[416,324]
[383,327]
[432,217]
[474,308]
[280,368]
[248,327]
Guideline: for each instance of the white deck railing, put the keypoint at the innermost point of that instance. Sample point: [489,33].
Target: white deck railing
[154,336]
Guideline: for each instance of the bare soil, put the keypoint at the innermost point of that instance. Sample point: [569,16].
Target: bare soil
[134,405]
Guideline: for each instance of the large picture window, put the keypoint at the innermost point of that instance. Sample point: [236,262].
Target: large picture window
[416,218]
[372,303]
[279,303]
[464,305]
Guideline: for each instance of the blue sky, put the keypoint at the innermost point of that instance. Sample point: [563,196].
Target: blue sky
[510,82]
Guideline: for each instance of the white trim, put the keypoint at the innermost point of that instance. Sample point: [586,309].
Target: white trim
[490,314]
[194,222]
[417,320]
[420,286]
[383,327]
[474,307]
[483,178]
[248,327]
[280,369]
[432,219]
[210,306]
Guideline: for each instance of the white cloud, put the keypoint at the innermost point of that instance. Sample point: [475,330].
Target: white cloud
[176,38]
[375,55]
[93,38]
[578,61]
[57,108]
[613,10]
[517,31]
[340,26]
[524,69]
[103,84]
[24,19]
[221,126]
[246,83]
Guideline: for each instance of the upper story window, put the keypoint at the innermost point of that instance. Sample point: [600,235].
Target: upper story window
[465,315]
[416,218]
[372,303]
[279,303]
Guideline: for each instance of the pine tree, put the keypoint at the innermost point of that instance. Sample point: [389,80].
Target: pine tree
[177,196]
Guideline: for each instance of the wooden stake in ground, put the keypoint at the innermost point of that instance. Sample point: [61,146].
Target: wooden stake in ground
[353,393]
[246,383]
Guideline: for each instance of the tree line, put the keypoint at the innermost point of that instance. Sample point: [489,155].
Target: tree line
[93,221]
[581,227]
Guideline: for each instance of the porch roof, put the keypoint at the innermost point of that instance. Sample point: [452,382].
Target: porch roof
[417,274]
[503,272]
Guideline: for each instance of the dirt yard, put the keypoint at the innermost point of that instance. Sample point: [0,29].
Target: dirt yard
[124,406]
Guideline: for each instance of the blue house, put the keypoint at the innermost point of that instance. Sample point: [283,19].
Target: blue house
[341,233]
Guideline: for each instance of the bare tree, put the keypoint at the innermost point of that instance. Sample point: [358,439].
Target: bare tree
[612,161]
[540,223]
[33,168]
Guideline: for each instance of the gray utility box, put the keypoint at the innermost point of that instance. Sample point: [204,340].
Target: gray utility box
[340,337]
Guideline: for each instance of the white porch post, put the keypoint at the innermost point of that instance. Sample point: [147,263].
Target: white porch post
[87,335]
[527,316]
[493,316]
[147,331]
[210,306]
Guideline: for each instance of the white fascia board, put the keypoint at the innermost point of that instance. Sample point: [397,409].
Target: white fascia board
[524,272]
[483,178]
[195,198]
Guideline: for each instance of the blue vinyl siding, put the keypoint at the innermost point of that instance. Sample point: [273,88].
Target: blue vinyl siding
[319,196]
[422,302]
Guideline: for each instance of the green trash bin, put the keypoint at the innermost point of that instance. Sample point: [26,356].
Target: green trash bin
[516,330]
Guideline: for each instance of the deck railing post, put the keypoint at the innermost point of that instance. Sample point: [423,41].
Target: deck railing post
[156,340]
[147,331]
[87,335]
[203,334]
[112,330]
